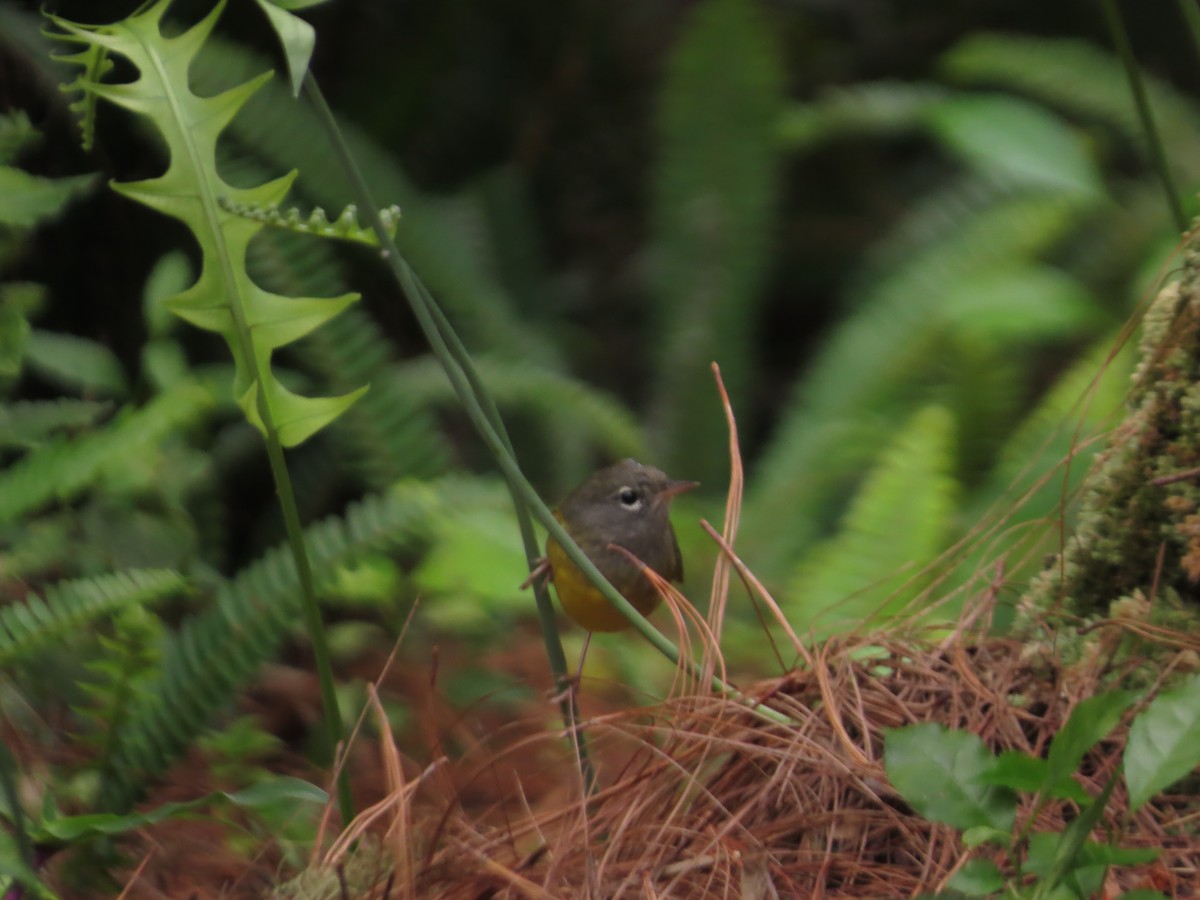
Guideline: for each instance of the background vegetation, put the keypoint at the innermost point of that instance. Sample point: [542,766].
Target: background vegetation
[911,235]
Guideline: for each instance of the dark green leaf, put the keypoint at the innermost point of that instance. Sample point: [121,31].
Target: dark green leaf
[1164,742]
[1089,723]
[977,878]
[939,772]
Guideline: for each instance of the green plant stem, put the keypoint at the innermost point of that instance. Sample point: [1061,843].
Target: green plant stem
[291,520]
[541,593]
[419,297]
[1112,18]
[308,594]
[312,613]
[475,398]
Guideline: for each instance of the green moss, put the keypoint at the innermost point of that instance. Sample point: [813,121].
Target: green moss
[1137,537]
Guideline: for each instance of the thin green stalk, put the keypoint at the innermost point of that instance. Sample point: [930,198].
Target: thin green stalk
[1112,18]
[418,296]
[545,608]
[469,387]
[291,519]
[312,612]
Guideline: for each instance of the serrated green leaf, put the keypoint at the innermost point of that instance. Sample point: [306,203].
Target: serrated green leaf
[224,299]
[939,773]
[1164,742]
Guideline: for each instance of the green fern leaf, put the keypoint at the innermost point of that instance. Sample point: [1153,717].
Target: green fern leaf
[219,651]
[29,423]
[872,371]
[69,606]
[880,109]
[715,194]
[64,467]
[1079,78]
[899,519]
[224,299]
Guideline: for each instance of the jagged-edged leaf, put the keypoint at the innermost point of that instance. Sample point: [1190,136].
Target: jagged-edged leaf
[1089,723]
[70,605]
[896,524]
[715,190]
[224,299]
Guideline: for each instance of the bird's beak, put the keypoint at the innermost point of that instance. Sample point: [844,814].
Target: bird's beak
[674,488]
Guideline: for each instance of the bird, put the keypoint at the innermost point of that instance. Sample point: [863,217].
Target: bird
[625,505]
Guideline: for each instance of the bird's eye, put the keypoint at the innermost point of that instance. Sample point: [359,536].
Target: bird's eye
[629,498]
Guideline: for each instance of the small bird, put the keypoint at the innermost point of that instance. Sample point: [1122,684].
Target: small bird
[625,505]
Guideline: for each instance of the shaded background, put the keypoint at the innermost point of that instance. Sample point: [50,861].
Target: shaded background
[909,232]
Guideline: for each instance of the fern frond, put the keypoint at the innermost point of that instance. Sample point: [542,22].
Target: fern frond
[219,651]
[715,191]
[61,469]
[253,322]
[29,423]
[897,523]
[884,108]
[386,435]
[131,655]
[68,606]
[872,370]
[1079,78]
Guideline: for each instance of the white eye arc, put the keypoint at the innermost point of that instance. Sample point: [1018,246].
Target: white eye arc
[630,498]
